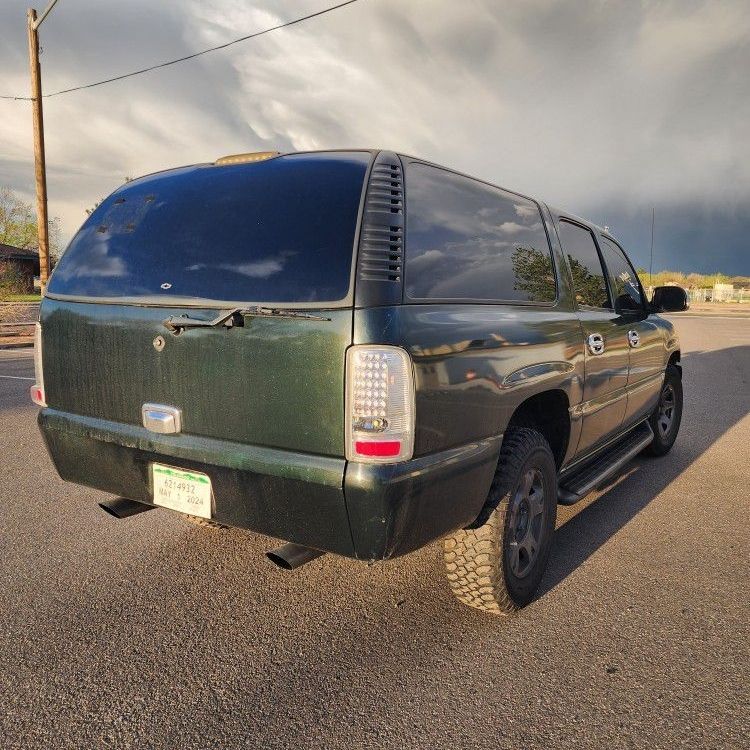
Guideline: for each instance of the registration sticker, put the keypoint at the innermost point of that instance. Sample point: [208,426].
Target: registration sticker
[184,491]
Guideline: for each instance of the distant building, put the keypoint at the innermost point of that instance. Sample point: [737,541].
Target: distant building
[25,261]
[723,292]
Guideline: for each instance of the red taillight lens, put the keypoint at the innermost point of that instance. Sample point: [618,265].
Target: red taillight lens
[377,448]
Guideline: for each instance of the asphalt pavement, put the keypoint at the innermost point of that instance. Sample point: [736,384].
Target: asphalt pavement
[154,633]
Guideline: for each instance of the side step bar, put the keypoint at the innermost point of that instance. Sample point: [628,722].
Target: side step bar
[578,484]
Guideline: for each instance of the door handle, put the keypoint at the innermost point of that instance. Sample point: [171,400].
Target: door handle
[596,343]
[165,420]
[634,339]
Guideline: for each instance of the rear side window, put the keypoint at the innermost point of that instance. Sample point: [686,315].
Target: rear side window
[625,284]
[589,281]
[469,241]
[278,231]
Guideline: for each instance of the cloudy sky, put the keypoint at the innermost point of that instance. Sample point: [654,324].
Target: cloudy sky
[606,108]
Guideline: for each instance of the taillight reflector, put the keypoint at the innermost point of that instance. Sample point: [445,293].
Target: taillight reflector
[37,395]
[377,448]
[37,390]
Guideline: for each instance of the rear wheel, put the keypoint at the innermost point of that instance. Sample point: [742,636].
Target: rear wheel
[666,417]
[497,566]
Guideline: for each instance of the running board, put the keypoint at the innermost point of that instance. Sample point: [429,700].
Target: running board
[577,485]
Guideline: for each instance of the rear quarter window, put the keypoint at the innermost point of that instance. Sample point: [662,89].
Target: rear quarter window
[277,231]
[469,241]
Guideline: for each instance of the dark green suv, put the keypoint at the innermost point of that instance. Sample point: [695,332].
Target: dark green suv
[358,352]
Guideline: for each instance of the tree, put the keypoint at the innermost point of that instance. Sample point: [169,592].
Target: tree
[589,288]
[535,276]
[18,224]
[534,273]
[91,210]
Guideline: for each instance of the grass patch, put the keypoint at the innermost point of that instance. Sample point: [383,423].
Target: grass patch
[21,298]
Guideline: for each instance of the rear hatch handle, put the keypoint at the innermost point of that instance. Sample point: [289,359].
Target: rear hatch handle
[236,317]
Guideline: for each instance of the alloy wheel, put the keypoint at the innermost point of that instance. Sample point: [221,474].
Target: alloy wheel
[526,523]
[667,404]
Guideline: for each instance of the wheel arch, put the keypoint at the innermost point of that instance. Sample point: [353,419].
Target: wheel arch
[549,413]
[674,359]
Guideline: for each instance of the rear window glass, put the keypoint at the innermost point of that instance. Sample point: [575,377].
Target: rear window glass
[466,240]
[280,230]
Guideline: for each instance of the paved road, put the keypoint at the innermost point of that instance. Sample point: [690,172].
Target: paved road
[151,632]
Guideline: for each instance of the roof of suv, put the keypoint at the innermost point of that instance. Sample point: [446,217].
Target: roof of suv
[252,156]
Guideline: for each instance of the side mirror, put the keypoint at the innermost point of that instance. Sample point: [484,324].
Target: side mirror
[669,299]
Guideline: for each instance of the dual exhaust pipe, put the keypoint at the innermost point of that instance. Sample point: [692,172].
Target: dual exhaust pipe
[292,556]
[289,557]
[121,507]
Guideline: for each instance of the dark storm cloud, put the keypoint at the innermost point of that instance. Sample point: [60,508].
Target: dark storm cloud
[606,108]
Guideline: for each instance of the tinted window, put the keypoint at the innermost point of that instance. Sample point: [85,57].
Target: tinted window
[585,264]
[280,230]
[469,241]
[625,284]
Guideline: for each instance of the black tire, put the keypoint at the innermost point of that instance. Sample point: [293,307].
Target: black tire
[206,523]
[485,564]
[666,417]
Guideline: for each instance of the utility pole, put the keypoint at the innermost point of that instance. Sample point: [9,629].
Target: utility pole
[40,169]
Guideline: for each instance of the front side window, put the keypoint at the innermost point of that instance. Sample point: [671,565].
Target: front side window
[468,241]
[589,282]
[625,285]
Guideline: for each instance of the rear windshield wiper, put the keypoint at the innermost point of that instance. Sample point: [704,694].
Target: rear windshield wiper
[231,318]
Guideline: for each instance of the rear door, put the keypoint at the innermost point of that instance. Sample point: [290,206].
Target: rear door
[277,235]
[604,335]
[646,368]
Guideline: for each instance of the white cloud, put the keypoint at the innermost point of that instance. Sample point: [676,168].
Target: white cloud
[260,269]
[584,104]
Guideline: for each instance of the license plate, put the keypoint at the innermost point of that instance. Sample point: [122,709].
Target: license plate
[185,491]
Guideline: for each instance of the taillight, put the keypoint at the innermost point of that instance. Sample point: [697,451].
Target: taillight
[37,390]
[379,404]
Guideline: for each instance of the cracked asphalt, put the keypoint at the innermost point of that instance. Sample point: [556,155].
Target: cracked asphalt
[153,633]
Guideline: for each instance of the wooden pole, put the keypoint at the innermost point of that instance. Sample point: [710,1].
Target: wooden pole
[39,162]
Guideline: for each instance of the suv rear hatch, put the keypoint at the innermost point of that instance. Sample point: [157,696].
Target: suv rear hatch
[276,235]
[274,240]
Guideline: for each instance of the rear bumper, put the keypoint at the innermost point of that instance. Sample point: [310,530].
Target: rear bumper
[288,495]
[397,508]
[360,510]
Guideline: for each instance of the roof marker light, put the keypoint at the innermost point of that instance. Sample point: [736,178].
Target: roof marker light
[244,158]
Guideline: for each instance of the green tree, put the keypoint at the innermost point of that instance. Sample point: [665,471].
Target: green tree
[18,224]
[534,273]
[91,210]
[589,288]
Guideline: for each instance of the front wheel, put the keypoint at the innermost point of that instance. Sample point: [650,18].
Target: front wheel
[666,417]
[498,565]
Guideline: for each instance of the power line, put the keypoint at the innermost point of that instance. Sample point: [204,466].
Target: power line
[188,57]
